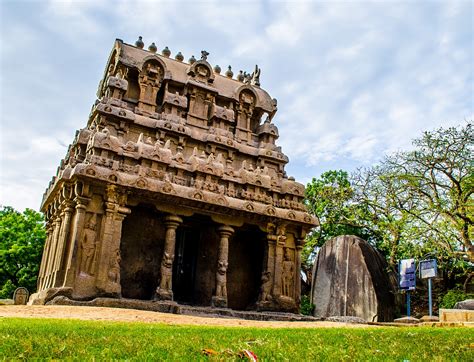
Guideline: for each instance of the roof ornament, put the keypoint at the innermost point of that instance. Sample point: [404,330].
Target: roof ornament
[179,57]
[256,76]
[139,43]
[152,48]
[166,52]
[247,77]
[204,55]
[240,76]
[229,73]
[192,60]
[217,69]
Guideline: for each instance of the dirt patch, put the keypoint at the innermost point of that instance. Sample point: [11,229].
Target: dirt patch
[133,315]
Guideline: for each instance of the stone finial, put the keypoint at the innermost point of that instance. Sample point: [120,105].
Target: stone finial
[204,55]
[240,76]
[166,52]
[217,69]
[229,73]
[179,57]
[192,60]
[139,43]
[152,48]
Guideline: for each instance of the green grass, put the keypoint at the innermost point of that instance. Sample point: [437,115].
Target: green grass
[84,340]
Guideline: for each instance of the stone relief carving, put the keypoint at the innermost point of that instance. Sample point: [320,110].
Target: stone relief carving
[88,246]
[288,274]
[166,271]
[221,279]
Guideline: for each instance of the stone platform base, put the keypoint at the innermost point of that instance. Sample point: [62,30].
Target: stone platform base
[427,318]
[173,307]
[407,320]
[456,315]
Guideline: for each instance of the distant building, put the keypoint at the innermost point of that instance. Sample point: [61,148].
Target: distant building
[175,190]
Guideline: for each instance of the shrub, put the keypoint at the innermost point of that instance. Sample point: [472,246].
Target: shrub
[453,296]
[306,307]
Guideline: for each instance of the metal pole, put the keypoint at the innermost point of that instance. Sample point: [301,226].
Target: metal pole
[408,303]
[429,297]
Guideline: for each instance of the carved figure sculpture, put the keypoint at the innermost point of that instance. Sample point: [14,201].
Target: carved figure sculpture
[166,271]
[288,275]
[266,287]
[88,246]
[114,268]
[221,279]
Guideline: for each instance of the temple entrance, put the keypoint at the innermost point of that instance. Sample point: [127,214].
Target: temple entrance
[194,266]
[185,262]
[246,251]
[141,248]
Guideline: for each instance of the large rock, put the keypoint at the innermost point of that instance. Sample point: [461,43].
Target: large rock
[467,304]
[350,279]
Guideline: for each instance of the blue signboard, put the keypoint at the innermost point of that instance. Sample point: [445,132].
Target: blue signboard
[407,274]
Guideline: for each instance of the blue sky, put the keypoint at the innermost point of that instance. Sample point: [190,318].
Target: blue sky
[354,80]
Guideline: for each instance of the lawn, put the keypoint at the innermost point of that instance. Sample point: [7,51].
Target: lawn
[74,339]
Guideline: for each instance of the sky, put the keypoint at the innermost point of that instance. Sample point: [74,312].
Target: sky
[354,80]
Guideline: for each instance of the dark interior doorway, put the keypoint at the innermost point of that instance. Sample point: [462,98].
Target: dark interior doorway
[246,251]
[184,266]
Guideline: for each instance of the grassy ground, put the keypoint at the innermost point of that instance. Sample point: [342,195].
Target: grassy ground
[74,339]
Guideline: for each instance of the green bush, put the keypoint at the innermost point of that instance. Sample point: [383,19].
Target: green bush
[306,307]
[453,296]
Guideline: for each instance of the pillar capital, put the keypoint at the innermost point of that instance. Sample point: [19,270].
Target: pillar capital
[173,221]
[225,230]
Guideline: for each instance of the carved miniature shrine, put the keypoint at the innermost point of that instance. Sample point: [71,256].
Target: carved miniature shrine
[176,191]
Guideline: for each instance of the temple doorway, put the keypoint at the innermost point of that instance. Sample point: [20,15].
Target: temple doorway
[184,266]
[246,251]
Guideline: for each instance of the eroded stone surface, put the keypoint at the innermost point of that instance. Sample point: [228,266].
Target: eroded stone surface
[175,190]
[350,279]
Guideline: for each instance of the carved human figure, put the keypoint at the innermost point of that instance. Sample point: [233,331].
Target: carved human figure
[265,288]
[88,246]
[221,279]
[166,271]
[114,268]
[288,274]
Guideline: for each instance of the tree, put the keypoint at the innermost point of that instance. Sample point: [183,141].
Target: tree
[439,177]
[330,198]
[22,237]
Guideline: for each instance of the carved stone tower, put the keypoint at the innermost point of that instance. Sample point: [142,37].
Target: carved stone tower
[175,190]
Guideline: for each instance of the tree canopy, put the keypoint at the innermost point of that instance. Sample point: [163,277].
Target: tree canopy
[416,203]
[22,237]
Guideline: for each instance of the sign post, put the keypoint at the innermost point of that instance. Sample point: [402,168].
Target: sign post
[407,278]
[428,270]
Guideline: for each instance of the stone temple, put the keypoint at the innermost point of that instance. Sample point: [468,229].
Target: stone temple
[175,191]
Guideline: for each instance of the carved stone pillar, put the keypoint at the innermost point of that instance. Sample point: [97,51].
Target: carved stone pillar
[108,264]
[265,297]
[165,289]
[52,252]
[279,245]
[220,297]
[63,242]
[71,255]
[44,258]
[299,247]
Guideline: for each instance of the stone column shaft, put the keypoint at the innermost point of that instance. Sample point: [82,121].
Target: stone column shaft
[299,247]
[108,276]
[165,289]
[44,258]
[63,242]
[52,253]
[70,257]
[281,239]
[220,297]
